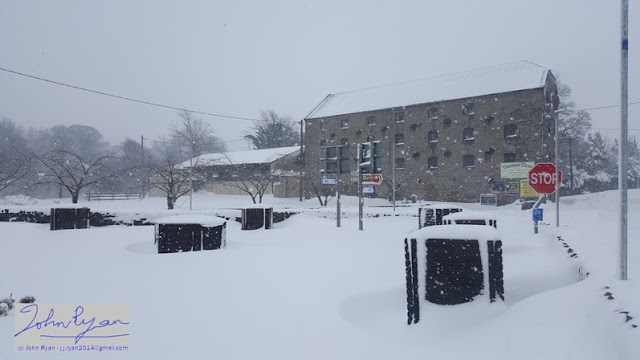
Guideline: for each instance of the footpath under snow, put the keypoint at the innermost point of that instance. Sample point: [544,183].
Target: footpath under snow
[309,290]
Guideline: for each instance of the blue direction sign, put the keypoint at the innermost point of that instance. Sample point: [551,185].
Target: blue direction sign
[537,214]
[329,181]
[368,189]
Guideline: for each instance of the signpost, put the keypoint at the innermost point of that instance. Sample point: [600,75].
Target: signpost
[545,179]
[371,179]
[515,170]
[537,216]
[329,181]
[369,189]
[542,178]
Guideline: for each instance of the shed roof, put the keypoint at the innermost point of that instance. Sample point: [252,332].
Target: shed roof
[514,76]
[263,156]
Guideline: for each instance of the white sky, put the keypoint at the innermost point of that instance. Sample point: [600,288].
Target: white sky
[238,57]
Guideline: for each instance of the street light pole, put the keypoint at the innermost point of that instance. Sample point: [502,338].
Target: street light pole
[624,136]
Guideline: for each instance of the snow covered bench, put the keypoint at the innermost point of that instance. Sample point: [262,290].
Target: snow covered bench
[449,265]
[182,233]
[432,214]
[470,218]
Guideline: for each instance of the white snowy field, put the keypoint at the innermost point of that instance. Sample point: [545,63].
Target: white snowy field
[309,290]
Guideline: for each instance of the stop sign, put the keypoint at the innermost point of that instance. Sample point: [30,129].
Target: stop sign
[542,178]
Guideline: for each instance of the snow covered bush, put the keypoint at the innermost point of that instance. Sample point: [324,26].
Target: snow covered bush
[27,300]
[4,309]
[8,301]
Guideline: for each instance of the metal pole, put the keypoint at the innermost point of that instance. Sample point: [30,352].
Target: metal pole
[338,206]
[393,172]
[557,172]
[360,197]
[301,159]
[624,138]
[190,182]
[571,163]
[142,159]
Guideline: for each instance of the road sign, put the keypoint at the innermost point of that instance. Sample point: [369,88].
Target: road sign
[329,181]
[370,189]
[526,192]
[371,179]
[515,170]
[537,214]
[542,178]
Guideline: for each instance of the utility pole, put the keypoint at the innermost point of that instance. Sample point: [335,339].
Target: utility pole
[624,137]
[393,173]
[142,160]
[360,195]
[301,160]
[557,171]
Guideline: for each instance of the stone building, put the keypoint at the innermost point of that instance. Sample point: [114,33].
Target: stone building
[446,136]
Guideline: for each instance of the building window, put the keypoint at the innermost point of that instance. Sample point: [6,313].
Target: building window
[468,134]
[510,131]
[468,161]
[510,157]
[468,109]
[399,139]
[400,117]
[432,162]
[323,126]
[446,123]
[344,123]
[344,141]
[371,138]
[323,142]
[335,159]
[433,113]
[399,163]
[371,120]
[432,136]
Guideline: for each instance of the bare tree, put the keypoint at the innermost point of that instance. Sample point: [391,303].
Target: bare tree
[273,131]
[192,133]
[15,162]
[74,158]
[167,172]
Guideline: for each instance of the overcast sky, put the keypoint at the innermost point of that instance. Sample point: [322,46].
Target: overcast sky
[238,57]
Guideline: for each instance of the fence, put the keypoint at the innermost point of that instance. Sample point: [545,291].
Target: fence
[112,196]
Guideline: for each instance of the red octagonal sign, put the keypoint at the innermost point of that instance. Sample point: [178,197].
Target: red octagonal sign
[542,178]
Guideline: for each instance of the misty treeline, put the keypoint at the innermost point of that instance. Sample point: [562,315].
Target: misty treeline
[70,161]
[588,159]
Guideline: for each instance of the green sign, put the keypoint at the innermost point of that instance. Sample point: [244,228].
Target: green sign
[515,170]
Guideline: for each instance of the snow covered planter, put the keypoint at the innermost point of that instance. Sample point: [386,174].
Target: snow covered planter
[432,214]
[69,218]
[257,218]
[470,218]
[190,233]
[449,265]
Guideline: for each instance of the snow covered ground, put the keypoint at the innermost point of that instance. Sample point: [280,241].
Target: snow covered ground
[309,290]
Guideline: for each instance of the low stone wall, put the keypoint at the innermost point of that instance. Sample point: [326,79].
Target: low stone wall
[108,218]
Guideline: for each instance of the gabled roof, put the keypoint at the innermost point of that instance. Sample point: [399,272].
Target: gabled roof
[515,76]
[263,156]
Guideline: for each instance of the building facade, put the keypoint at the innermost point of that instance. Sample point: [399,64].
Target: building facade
[443,138]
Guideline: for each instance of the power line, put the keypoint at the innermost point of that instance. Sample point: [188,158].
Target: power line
[127,98]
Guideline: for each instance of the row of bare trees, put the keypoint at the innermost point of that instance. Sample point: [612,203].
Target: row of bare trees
[71,160]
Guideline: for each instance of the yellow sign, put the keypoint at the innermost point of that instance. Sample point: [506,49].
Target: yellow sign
[526,191]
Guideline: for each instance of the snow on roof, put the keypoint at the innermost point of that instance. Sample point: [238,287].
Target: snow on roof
[263,156]
[515,76]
